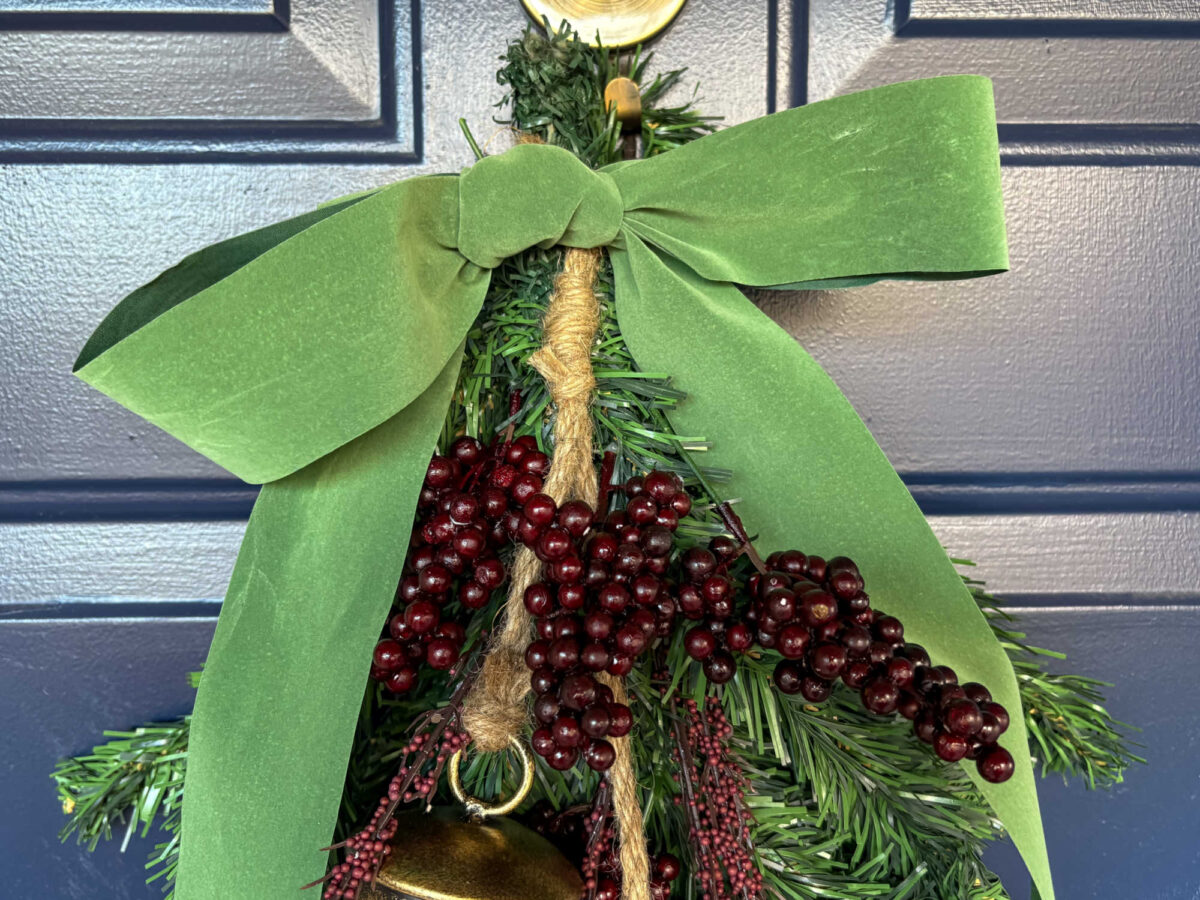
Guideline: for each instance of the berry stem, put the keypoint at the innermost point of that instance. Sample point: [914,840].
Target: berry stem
[738,530]
[606,473]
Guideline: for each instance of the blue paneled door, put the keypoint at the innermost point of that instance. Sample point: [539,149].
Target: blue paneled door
[1047,419]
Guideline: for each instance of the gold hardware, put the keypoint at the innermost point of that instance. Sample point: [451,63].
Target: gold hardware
[623,94]
[477,810]
[620,23]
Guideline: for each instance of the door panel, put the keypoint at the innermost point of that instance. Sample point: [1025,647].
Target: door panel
[1047,418]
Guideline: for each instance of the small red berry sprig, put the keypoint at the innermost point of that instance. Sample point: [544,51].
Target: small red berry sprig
[424,758]
[713,791]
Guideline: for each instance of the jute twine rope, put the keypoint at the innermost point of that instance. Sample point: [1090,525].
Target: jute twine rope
[495,709]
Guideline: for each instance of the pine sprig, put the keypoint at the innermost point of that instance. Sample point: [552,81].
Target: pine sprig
[128,784]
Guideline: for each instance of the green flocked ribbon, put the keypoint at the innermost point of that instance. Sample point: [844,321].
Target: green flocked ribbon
[318,356]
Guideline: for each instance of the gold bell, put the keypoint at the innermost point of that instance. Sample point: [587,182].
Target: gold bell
[475,854]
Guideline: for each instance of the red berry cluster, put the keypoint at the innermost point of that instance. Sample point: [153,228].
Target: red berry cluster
[709,594]
[714,793]
[466,501]
[818,617]
[602,602]
[366,851]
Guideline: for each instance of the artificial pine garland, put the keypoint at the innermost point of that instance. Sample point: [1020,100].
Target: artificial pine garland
[840,803]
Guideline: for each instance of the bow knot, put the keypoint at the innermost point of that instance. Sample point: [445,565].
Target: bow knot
[543,195]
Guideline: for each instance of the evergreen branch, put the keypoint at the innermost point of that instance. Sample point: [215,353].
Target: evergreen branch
[133,781]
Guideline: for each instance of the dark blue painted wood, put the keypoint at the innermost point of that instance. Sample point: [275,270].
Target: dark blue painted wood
[1139,840]
[61,684]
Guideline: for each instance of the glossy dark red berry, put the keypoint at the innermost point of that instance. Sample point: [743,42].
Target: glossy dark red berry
[881,696]
[962,717]
[995,765]
[950,747]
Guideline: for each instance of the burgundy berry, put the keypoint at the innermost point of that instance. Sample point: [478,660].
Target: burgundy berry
[577,691]
[989,729]
[996,765]
[563,758]
[662,486]
[881,697]
[602,548]
[827,660]
[524,486]
[598,625]
[599,755]
[724,547]
[540,509]
[962,717]
[948,675]
[788,676]
[595,721]
[999,712]
[856,674]
[566,731]
[630,640]
[576,518]
[667,867]
[889,629]
[547,708]
[489,572]
[950,747]
[388,654]
[554,543]
[899,672]
[571,596]
[816,568]
[595,657]
[793,640]
[815,690]
[719,667]
[542,741]
[402,680]
[542,680]
[621,720]
[817,608]
[441,653]
[422,617]
[910,705]
[641,510]
[698,564]
[538,599]
[738,637]
[780,605]
[977,692]
[681,503]
[466,450]
[699,643]
[857,641]
[620,666]
[564,653]
[925,726]
[441,472]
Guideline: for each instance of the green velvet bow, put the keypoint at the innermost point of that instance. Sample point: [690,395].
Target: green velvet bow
[318,355]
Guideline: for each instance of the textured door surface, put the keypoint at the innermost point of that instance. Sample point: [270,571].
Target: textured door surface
[1047,419]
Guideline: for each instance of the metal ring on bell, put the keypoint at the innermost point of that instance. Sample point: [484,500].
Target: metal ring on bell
[478,810]
[619,23]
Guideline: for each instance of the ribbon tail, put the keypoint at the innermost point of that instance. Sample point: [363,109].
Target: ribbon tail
[280,695]
[811,476]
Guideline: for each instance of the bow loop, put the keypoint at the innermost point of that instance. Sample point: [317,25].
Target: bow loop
[534,195]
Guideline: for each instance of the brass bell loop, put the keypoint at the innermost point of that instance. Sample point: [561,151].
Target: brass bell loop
[478,810]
